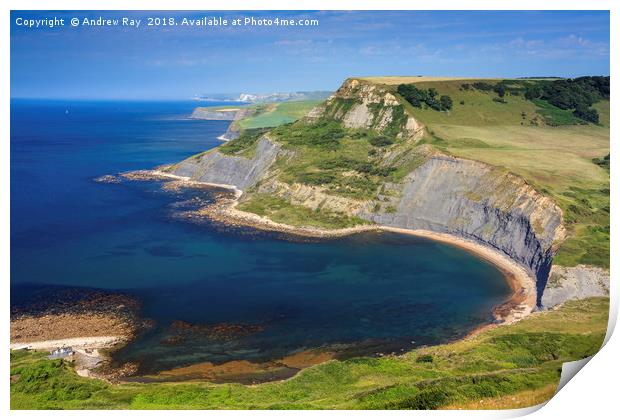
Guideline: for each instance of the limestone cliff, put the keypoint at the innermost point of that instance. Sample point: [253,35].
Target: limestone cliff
[223,114]
[582,281]
[359,104]
[217,168]
[480,203]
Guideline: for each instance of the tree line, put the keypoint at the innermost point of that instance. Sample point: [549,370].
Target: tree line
[418,97]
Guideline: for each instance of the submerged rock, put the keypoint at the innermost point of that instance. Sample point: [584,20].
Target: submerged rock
[108,179]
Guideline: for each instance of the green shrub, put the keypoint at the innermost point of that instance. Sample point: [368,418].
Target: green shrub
[325,135]
[424,358]
[586,114]
[316,178]
[381,141]
[446,102]
[603,163]
[417,97]
[242,143]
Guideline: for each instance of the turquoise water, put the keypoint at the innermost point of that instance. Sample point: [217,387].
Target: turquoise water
[369,292]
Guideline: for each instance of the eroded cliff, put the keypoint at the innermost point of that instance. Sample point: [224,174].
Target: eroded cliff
[218,168]
[481,203]
[359,104]
[439,192]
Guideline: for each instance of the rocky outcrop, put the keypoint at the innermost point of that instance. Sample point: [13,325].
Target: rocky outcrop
[359,104]
[221,114]
[218,168]
[313,197]
[224,114]
[569,283]
[480,203]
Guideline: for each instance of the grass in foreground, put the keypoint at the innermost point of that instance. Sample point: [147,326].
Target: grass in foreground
[509,367]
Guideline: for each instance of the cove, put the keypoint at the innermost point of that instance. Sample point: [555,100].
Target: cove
[265,296]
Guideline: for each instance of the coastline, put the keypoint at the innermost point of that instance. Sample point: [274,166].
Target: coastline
[87,347]
[523,285]
[90,322]
[523,299]
[96,342]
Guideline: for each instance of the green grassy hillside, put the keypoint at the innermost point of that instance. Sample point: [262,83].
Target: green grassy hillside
[268,115]
[548,146]
[521,360]
[275,114]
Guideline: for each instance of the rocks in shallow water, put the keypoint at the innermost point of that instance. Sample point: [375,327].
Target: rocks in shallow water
[144,175]
[570,283]
[108,179]
[51,313]
[181,331]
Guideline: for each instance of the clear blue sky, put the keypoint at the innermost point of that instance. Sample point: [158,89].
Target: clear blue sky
[179,62]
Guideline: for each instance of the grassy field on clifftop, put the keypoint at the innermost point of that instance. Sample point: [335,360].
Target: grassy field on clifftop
[545,145]
[275,114]
[506,367]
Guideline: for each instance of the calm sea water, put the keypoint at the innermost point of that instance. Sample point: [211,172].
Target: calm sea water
[68,230]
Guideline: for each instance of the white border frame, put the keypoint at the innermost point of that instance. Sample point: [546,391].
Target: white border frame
[591,394]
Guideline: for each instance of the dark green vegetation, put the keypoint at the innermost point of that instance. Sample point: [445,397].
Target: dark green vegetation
[416,97]
[522,358]
[587,214]
[244,144]
[553,115]
[574,96]
[282,211]
[602,162]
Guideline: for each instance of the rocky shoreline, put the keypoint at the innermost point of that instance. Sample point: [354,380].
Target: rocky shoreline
[90,322]
[92,348]
[224,210]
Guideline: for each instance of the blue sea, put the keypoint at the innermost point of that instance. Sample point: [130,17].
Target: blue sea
[393,291]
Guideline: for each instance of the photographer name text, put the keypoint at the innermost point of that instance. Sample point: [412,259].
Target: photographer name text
[164,21]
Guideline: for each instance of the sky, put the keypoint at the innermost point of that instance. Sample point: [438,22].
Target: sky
[181,61]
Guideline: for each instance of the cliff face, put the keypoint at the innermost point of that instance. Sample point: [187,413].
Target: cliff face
[359,104]
[480,203]
[566,283]
[226,114]
[441,193]
[218,168]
